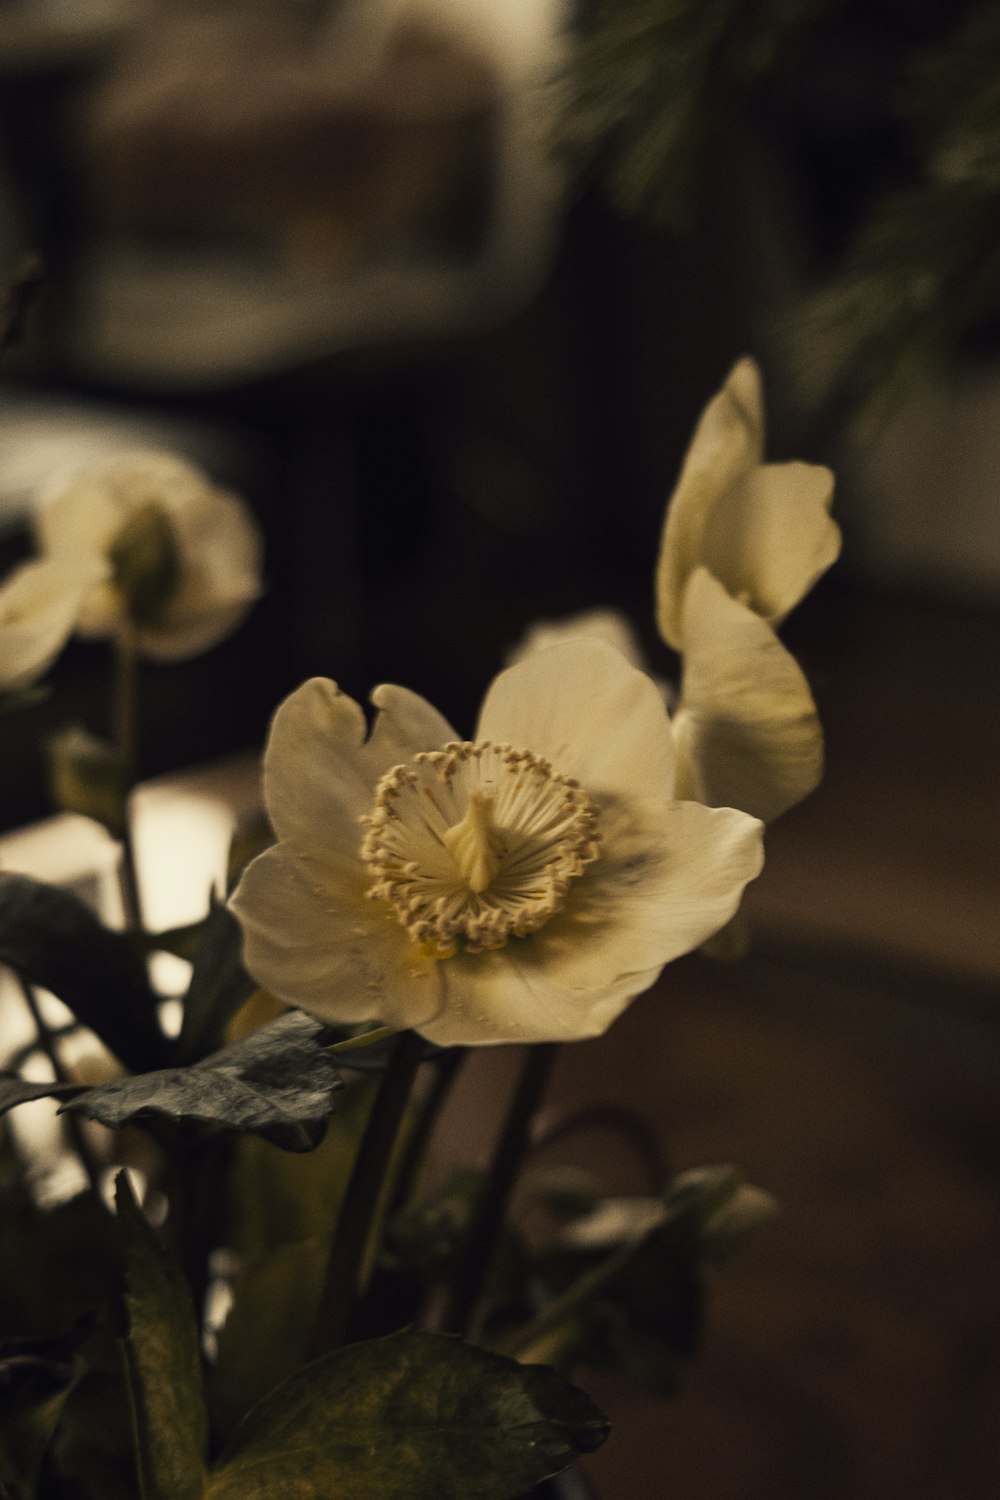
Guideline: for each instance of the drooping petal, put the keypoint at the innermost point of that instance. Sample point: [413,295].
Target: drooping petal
[773,537]
[748,734]
[670,874]
[728,443]
[329,950]
[592,715]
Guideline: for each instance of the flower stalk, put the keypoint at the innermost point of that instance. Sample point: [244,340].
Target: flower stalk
[463,1311]
[365,1190]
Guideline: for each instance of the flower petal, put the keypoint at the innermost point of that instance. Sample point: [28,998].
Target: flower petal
[608,625]
[670,875]
[592,715]
[406,724]
[320,770]
[747,730]
[728,443]
[329,950]
[40,603]
[773,537]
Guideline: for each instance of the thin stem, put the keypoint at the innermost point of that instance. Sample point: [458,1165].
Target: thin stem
[125,719]
[74,1126]
[364,1193]
[508,1155]
[576,1295]
[445,1073]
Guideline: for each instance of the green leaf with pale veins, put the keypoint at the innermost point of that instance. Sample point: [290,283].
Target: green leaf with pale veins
[278,1083]
[415,1416]
[164,1364]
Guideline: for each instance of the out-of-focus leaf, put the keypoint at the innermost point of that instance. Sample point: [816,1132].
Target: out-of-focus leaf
[415,1416]
[15,1090]
[219,984]
[164,1364]
[52,939]
[278,1082]
[36,1377]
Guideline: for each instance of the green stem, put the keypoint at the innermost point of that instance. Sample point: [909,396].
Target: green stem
[508,1155]
[125,720]
[364,1193]
[74,1125]
[445,1072]
[560,1308]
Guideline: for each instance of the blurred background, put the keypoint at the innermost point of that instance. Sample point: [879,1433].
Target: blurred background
[441,287]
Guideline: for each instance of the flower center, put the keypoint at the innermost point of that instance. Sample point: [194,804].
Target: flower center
[475,843]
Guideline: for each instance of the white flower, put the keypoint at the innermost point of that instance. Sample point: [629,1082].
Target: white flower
[590,625]
[184,555]
[743,542]
[39,606]
[523,886]
[763,530]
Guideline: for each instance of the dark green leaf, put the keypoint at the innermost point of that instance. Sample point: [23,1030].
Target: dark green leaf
[164,1364]
[277,1082]
[219,984]
[15,1090]
[415,1416]
[52,939]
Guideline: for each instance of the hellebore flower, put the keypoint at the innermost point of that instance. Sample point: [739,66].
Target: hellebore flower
[520,887]
[183,555]
[763,530]
[743,542]
[39,606]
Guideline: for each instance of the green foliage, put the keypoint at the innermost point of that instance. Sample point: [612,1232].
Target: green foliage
[411,1417]
[219,984]
[646,80]
[52,939]
[286,1209]
[36,1377]
[89,776]
[146,562]
[277,1082]
[924,269]
[164,1365]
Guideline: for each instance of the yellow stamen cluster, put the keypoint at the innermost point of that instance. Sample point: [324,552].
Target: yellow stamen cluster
[476,843]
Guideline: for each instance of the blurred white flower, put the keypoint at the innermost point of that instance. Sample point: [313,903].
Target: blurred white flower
[184,556]
[520,887]
[763,530]
[40,603]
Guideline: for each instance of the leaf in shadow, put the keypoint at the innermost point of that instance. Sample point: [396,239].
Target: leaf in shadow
[15,1090]
[163,1358]
[278,1083]
[219,984]
[50,938]
[415,1416]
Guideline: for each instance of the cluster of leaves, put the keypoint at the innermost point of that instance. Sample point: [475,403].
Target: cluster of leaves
[647,77]
[649,80]
[104,1388]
